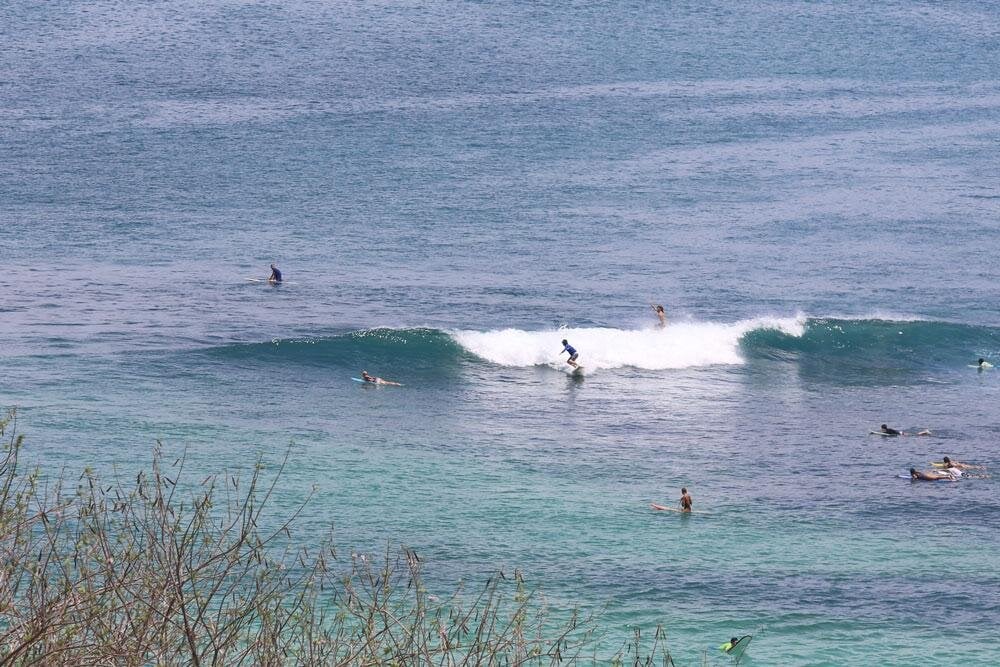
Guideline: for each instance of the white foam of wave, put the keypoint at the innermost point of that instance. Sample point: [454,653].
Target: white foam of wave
[679,345]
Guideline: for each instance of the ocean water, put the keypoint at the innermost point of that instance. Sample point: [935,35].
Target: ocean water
[451,188]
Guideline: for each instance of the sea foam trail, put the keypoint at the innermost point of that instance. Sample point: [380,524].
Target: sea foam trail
[679,345]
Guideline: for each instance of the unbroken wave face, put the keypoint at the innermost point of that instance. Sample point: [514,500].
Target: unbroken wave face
[679,345]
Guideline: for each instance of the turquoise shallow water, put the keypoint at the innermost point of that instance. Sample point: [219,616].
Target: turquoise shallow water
[809,188]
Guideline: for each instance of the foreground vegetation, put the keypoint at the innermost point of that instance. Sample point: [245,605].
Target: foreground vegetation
[147,573]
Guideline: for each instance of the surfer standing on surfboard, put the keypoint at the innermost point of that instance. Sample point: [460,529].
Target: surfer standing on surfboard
[686,501]
[573,354]
[275,276]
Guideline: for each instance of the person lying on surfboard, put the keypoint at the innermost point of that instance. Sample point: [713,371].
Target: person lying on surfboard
[573,354]
[932,475]
[377,380]
[275,276]
[885,430]
[948,463]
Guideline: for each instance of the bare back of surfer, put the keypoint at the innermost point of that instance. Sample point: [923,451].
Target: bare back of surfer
[658,309]
[932,475]
[948,463]
[686,502]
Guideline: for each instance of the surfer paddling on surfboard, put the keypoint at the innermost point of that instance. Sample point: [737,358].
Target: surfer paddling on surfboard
[377,380]
[932,475]
[886,431]
[573,354]
[956,469]
[948,463]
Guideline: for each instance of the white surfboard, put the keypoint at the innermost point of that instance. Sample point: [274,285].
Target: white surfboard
[665,508]
[384,383]
[265,280]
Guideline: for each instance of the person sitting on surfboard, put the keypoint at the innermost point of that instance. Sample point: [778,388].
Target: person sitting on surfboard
[658,309]
[932,475]
[573,354]
[275,276]
[377,380]
[686,501]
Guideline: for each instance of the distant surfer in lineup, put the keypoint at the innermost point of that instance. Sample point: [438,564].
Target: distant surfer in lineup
[932,475]
[686,501]
[573,354]
[377,380]
[982,364]
[658,309]
[275,277]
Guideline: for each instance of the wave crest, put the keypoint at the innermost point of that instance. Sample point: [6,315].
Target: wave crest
[679,345]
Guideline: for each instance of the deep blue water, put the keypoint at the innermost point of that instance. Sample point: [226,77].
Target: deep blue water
[811,190]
